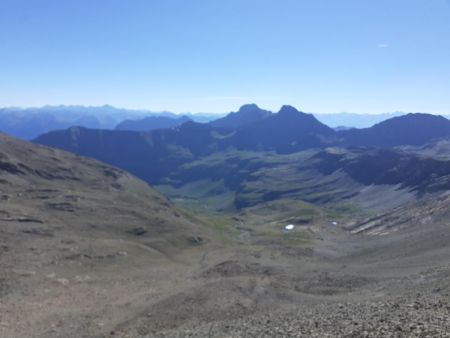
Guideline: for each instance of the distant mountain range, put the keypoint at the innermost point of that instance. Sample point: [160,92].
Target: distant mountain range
[155,154]
[151,155]
[29,123]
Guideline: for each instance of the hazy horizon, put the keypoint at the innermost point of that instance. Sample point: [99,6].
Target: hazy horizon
[153,111]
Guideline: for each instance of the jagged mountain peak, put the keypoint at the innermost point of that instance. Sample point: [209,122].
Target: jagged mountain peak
[249,107]
[287,109]
[246,115]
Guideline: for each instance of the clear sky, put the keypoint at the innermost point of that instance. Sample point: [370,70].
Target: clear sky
[324,56]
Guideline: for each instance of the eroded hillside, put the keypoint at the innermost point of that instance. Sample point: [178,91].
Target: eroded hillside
[79,240]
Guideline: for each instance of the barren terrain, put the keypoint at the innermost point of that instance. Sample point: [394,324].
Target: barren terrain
[87,250]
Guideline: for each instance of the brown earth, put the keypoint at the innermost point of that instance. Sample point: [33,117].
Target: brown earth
[87,250]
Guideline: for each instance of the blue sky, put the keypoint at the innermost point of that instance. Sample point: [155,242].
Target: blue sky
[324,56]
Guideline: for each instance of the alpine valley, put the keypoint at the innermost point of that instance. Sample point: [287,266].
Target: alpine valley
[255,224]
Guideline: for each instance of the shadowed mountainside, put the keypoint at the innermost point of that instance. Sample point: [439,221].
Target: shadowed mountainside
[288,155]
[375,179]
[285,132]
[151,123]
[411,129]
[151,155]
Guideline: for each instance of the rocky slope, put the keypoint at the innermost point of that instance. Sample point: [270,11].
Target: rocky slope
[87,250]
[78,238]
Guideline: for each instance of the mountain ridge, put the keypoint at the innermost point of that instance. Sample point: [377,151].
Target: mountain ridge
[152,155]
[411,129]
[151,123]
[247,114]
